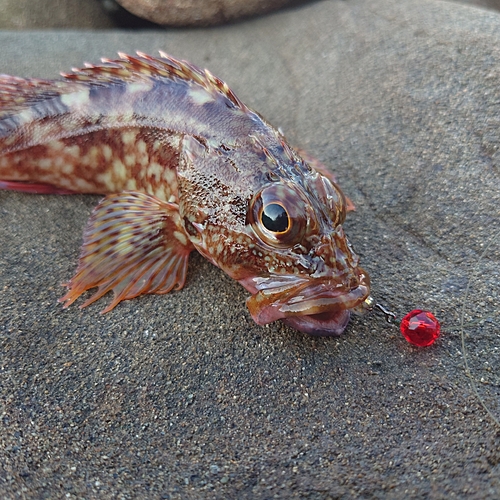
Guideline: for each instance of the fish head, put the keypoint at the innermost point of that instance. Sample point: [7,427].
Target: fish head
[278,231]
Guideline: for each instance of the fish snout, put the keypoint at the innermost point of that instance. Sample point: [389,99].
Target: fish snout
[335,256]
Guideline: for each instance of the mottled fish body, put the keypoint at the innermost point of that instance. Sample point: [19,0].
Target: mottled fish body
[185,166]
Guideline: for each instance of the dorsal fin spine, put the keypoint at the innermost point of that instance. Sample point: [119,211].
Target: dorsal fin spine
[142,65]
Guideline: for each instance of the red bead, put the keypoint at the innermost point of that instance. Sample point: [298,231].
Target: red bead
[420,328]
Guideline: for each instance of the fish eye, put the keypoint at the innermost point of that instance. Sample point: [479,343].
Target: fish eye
[274,218]
[278,215]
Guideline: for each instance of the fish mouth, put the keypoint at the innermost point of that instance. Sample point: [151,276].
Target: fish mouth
[317,306]
[327,324]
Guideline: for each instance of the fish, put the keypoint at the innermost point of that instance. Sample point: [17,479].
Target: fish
[184,165]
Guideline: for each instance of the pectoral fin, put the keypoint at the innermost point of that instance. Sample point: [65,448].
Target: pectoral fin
[133,244]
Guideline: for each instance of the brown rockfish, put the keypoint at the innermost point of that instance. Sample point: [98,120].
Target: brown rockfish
[185,166]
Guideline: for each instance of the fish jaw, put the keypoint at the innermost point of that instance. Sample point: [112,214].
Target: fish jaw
[329,324]
[310,305]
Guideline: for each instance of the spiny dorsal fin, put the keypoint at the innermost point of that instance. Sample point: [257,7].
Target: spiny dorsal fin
[143,66]
[18,94]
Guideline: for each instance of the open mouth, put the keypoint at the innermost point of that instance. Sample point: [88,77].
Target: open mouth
[317,306]
[329,324]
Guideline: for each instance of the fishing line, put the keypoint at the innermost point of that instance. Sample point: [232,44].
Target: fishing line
[462,334]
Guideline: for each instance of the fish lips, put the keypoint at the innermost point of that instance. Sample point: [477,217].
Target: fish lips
[327,324]
[317,306]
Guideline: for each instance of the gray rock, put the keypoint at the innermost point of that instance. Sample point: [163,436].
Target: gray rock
[402,100]
[105,14]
